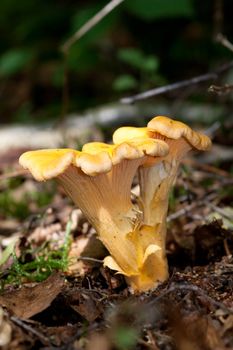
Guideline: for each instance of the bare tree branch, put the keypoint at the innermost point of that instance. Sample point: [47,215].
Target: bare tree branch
[90,24]
[189,287]
[178,85]
[220,38]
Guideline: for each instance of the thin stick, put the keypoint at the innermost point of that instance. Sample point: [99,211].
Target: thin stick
[224,41]
[86,258]
[91,23]
[191,287]
[20,172]
[30,329]
[178,85]
[189,207]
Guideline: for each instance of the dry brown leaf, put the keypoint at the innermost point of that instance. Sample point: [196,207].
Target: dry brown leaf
[29,301]
[86,306]
[5,330]
[61,334]
[98,341]
[87,247]
[227,324]
[195,332]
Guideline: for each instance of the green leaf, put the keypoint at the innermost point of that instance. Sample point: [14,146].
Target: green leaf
[124,82]
[151,64]
[125,338]
[131,56]
[14,61]
[155,9]
[8,251]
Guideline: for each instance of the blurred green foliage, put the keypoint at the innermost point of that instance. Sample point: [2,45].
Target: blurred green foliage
[14,61]
[141,44]
[144,70]
[18,205]
[157,9]
[125,338]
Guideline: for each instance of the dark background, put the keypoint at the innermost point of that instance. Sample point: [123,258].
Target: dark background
[140,45]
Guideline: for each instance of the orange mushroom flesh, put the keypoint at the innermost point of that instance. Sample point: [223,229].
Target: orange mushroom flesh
[157,180]
[99,180]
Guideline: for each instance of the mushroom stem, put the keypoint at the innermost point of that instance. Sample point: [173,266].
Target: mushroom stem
[105,201]
[136,251]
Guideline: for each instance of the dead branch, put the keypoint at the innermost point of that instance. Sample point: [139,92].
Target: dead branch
[189,287]
[22,324]
[178,85]
[220,38]
[90,24]
[220,90]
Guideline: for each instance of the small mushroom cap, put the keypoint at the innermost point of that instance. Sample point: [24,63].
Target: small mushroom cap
[175,130]
[132,149]
[93,163]
[129,132]
[47,163]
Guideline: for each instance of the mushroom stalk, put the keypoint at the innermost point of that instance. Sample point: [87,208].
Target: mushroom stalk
[135,250]
[105,201]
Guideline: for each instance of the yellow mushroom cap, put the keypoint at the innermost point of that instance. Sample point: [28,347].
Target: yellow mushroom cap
[47,163]
[95,158]
[175,130]
[129,132]
[132,149]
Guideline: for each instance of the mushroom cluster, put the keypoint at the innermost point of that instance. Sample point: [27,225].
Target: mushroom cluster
[99,180]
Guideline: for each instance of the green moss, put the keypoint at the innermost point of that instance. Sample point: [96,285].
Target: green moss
[35,265]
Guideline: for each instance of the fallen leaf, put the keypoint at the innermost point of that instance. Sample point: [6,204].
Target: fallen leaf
[98,341]
[4,256]
[5,330]
[29,301]
[86,306]
[195,332]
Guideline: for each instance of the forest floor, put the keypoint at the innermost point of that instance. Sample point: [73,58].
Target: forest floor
[55,293]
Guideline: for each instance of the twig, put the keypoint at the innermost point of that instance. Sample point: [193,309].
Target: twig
[20,172]
[182,211]
[31,330]
[213,128]
[218,18]
[80,332]
[86,258]
[193,288]
[220,38]
[220,90]
[219,210]
[91,23]
[178,85]
[193,205]
[208,168]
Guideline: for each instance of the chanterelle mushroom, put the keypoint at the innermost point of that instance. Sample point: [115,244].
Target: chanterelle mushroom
[156,181]
[99,180]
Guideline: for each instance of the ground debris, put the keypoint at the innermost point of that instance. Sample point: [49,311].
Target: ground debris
[28,301]
[92,308]
[5,330]
[194,331]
